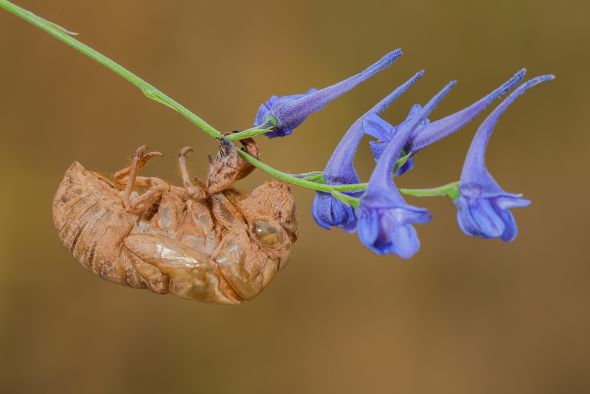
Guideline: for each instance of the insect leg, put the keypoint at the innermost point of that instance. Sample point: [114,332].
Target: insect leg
[198,192]
[128,177]
[146,200]
[150,182]
[140,158]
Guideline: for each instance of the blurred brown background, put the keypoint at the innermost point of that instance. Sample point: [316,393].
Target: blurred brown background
[464,316]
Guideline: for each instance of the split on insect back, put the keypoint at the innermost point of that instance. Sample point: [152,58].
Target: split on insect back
[209,242]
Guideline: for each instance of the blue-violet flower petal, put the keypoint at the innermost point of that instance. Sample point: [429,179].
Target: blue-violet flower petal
[483,207]
[285,113]
[385,220]
[327,211]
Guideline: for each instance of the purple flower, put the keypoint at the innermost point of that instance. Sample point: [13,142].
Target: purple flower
[428,132]
[285,113]
[329,212]
[385,221]
[326,210]
[483,208]
[378,128]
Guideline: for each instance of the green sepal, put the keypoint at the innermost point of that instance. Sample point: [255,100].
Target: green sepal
[401,161]
[453,193]
[274,122]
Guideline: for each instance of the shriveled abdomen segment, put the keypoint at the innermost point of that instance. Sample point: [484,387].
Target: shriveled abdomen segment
[92,224]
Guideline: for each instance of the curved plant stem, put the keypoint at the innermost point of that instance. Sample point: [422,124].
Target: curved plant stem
[346,199]
[445,190]
[253,132]
[320,187]
[450,190]
[153,93]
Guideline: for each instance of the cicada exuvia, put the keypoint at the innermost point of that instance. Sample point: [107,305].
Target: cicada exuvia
[201,241]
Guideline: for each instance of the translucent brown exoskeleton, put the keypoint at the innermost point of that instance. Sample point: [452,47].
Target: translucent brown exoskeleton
[202,241]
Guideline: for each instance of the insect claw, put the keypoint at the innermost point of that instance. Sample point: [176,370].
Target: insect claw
[142,157]
[194,192]
[148,156]
[140,151]
[185,151]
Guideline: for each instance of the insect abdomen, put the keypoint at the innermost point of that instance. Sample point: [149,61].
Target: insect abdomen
[92,224]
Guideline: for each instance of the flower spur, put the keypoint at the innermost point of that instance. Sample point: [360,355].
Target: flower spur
[483,207]
[285,113]
[428,132]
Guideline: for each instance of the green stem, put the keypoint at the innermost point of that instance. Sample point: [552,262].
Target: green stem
[314,176]
[253,132]
[450,190]
[283,176]
[445,190]
[151,92]
[147,89]
[346,199]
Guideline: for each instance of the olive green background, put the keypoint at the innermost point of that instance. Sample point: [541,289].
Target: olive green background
[463,316]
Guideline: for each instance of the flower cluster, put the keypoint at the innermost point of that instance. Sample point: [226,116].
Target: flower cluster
[377,211]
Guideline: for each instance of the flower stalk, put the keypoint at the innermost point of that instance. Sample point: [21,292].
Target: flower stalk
[155,94]
[376,210]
